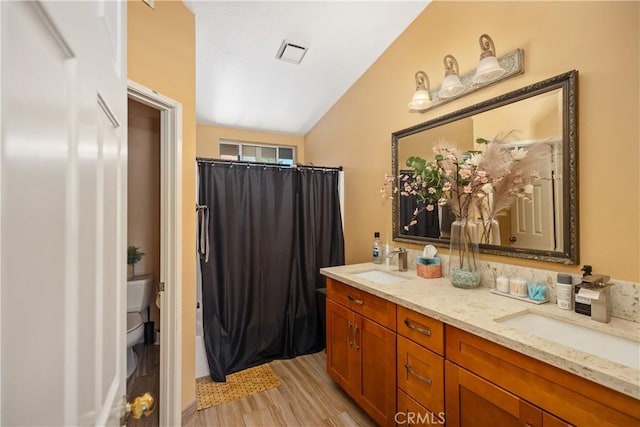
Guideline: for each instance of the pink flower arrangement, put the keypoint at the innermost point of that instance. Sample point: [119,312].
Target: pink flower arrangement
[478,183]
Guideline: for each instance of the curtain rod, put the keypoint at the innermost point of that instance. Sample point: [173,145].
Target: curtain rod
[269,165]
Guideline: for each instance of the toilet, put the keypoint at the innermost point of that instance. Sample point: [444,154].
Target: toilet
[138,297]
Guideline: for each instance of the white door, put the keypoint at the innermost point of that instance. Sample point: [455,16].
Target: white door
[532,224]
[62,223]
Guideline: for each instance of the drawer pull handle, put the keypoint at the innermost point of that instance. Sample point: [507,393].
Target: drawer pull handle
[355,337]
[420,329]
[349,343]
[355,300]
[417,375]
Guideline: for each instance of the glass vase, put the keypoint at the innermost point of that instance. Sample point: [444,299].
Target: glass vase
[463,254]
[488,231]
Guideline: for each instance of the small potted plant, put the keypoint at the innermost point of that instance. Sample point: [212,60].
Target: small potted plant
[133,256]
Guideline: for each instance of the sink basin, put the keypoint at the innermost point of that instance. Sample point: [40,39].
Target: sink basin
[611,347]
[381,277]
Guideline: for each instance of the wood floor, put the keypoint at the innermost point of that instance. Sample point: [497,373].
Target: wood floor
[145,378]
[307,397]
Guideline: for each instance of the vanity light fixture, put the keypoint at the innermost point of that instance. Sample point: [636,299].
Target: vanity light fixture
[454,85]
[421,99]
[488,69]
[451,85]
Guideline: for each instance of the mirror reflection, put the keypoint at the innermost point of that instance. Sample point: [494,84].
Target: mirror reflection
[541,228]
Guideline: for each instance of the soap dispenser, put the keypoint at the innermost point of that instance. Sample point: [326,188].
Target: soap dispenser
[592,295]
[582,305]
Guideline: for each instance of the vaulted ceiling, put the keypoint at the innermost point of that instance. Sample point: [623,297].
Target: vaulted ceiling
[239,81]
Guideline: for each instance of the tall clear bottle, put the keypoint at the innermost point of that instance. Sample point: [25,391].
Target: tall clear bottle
[377,248]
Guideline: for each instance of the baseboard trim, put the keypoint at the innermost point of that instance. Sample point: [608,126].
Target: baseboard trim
[189,413]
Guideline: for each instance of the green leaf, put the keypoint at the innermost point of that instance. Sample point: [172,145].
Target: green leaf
[134,255]
[417,163]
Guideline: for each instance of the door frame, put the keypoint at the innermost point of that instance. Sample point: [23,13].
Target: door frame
[170,248]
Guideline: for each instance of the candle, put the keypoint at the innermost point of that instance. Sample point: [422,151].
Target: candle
[518,287]
[502,284]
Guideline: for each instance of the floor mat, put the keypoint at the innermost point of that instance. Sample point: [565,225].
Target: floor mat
[238,385]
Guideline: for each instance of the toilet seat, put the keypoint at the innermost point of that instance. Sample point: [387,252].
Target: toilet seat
[135,328]
[135,331]
[134,321]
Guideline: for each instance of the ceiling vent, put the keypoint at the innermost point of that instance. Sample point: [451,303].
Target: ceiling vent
[291,52]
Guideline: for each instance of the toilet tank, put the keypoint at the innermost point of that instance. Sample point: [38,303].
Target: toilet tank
[138,293]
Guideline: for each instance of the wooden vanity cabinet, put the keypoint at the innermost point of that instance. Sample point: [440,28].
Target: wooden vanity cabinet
[486,381]
[420,363]
[361,349]
[475,402]
[390,358]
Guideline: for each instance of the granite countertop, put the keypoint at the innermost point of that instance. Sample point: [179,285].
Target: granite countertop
[475,311]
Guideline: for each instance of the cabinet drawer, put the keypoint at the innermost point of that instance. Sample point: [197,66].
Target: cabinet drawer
[420,374]
[572,398]
[411,413]
[361,302]
[422,329]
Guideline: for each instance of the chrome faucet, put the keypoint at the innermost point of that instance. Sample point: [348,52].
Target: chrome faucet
[402,258]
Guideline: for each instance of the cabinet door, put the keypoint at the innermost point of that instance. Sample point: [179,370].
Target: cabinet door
[375,346]
[472,401]
[420,374]
[340,330]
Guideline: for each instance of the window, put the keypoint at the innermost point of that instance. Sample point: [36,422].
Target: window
[232,150]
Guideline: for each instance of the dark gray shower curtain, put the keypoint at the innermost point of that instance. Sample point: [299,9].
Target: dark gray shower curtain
[270,231]
[427,225]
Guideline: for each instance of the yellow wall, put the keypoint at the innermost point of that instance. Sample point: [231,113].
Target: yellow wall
[161,56]
[537,118]
[143,192]
[209,136]
[458,133]
[599,39]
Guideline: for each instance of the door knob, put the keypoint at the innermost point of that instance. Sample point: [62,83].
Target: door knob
[141,406]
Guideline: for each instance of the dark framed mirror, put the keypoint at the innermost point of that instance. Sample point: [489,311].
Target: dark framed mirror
[545,229]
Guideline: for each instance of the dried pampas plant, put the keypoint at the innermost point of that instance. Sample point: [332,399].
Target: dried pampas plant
[514,169]
[475,184]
